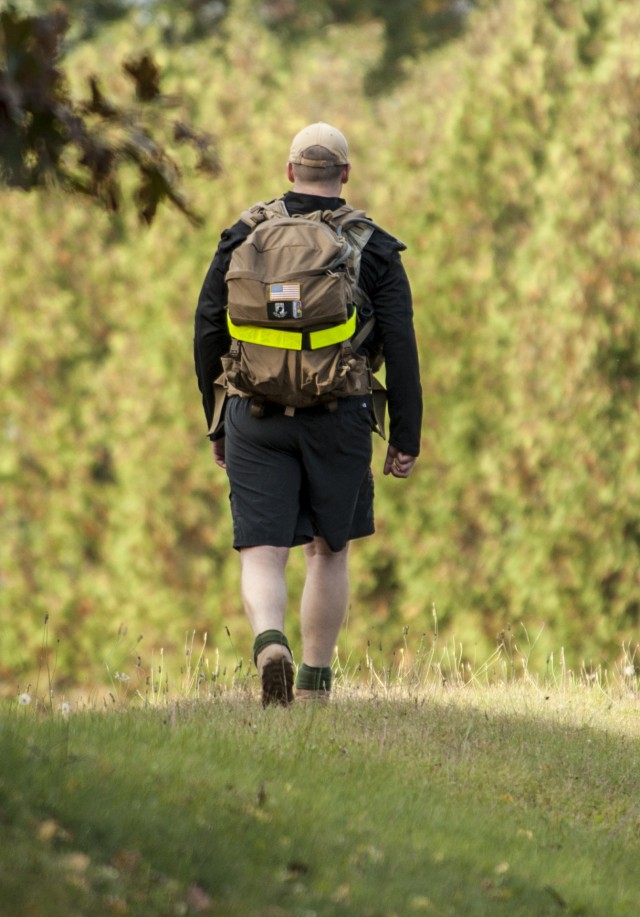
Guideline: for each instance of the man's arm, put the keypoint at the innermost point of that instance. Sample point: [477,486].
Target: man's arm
[211,336]
[384,279]
[218,451]
[399,464]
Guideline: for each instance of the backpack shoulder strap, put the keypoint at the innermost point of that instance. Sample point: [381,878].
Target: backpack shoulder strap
[357,225]
[262,211]
[361,227]
[358,228]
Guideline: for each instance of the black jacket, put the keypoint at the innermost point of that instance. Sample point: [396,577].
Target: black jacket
[383,279]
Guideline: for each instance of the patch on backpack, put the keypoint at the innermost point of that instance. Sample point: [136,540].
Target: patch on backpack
[284,291]
[281,309]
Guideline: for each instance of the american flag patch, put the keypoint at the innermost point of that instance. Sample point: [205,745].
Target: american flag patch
[284,291]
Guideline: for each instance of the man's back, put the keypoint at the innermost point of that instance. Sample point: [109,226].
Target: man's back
[383,281]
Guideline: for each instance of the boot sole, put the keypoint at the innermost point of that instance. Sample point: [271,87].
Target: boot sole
[277,683]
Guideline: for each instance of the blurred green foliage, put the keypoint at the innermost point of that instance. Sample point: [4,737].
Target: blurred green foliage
[508,161]
[409,27]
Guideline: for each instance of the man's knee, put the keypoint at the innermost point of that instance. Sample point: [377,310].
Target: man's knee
[319,548]
[264,554]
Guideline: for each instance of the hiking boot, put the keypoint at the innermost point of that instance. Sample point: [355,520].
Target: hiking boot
[275,667]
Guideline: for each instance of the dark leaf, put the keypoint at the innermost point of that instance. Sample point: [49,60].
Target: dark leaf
[204,143]
[149,194]
[146,75]
[98,104]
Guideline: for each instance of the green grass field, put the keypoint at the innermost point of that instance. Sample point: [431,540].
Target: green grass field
[397,799]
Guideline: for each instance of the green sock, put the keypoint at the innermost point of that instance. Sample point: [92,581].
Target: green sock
[266,638]
[314,678]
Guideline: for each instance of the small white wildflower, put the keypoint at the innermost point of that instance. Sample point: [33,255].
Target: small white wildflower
[65,708]
[24,699]
[120,676]
[629,671]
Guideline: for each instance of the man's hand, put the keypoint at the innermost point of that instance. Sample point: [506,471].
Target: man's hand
[217,448]
[399,464]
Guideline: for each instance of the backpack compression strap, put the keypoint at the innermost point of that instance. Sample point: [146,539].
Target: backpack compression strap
[262,211]
[293,340]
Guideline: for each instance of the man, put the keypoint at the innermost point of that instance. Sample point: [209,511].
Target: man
[306,479]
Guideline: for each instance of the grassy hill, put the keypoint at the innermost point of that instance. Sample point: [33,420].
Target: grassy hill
[414,799]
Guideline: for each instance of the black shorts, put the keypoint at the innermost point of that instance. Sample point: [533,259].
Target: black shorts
[293,478]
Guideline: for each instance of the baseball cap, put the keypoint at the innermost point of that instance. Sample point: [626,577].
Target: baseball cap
[325,136]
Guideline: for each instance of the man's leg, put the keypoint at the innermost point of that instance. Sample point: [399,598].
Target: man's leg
[264,596]
[264,587]
[323,609]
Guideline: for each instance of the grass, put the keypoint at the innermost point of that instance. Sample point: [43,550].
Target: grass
[412,793]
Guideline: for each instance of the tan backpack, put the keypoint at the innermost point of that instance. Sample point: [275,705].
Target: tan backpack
[292,308]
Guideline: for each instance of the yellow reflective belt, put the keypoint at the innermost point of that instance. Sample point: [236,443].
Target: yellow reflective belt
[334,335]
[292,340]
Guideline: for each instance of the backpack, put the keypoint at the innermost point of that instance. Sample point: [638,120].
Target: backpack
[293,302]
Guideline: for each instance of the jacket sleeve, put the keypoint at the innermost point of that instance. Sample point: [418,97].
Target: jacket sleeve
[211,337]
[384,280]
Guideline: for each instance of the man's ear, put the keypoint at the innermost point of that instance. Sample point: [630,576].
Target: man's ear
[290,174]
[344,178]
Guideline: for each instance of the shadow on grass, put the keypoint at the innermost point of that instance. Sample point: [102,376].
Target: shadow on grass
[369,807]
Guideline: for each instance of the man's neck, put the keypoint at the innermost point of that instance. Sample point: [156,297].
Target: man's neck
[318,189]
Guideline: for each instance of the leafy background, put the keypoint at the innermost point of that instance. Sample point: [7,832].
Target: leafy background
[501,142]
